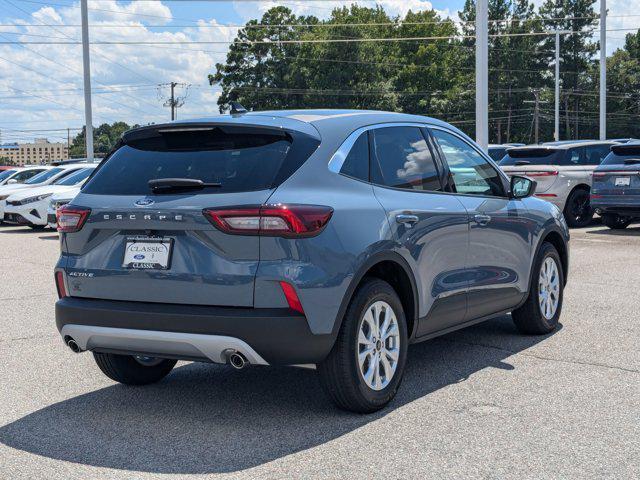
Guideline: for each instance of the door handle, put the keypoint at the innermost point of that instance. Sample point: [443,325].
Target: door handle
[482,219]
[407,219]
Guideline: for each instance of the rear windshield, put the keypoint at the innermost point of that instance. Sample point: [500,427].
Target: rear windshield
[622,154]
[76,177]
[6,173]
[43,176]
[235,159]
[531,156]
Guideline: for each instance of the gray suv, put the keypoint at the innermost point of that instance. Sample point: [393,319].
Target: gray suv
[331,239]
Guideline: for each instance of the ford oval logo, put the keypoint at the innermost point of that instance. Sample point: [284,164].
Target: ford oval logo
[139,257]
[144,202]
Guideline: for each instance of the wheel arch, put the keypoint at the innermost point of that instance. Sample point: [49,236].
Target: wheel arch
[394,269]
[557,239]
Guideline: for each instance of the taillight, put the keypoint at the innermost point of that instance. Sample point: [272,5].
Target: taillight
[291,221]
[599,174]
[62,292]
[542,174]
[71,219]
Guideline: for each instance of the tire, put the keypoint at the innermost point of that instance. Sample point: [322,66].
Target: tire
[615,221]
[577,211]
[130,371]
[37,227]
[529,318]
[341,372]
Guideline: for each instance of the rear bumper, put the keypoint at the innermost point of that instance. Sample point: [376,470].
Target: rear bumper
[627,205]
[277,336]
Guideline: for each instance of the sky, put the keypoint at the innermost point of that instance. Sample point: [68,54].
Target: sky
[41,85]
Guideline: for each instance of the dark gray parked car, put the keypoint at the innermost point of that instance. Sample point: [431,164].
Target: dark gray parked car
[326,238]
[616,186]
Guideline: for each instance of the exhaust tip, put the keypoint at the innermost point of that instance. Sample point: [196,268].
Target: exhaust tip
[71,343]
[238,360]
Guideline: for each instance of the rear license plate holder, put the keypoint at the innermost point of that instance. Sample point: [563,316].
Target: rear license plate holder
[623,181]
[147,253]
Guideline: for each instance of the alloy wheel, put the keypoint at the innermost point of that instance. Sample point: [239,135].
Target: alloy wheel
[549,288]
[378,345]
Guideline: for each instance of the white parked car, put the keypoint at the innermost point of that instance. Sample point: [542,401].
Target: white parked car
[19,174]
[58,200]
[30,206]
[46,177]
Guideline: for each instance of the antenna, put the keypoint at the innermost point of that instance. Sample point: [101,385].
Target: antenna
[237,108]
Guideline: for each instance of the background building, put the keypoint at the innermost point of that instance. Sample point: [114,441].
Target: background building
[41,151]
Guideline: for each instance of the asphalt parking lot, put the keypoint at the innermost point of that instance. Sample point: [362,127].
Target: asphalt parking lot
[484,402]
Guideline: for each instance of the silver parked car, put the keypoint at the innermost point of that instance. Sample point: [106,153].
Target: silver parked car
[564,173]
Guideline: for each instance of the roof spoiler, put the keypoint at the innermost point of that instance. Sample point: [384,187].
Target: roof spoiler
[626,149]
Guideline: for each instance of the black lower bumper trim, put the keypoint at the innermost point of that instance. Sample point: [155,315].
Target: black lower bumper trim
[280,335]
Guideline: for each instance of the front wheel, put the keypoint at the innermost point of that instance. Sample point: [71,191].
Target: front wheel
[540,313]
[133,369]
[615,221]
[363,371]
[578,211]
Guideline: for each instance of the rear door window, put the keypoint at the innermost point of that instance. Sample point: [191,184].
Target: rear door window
[402,159]
[235,159]
[573,157]
[356,164]
[43,176]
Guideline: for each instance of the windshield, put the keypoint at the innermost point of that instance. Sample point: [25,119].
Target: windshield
[75,178]
[43,176]
[228,158]
[5,174]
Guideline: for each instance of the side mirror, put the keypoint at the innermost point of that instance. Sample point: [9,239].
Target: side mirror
[12,181]
[521,187]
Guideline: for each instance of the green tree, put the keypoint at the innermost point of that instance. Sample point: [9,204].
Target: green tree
[105,138]
[623,88]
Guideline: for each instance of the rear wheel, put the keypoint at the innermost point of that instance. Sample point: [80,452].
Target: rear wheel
[37,227]
[540,313]
[578,211]
[133,370]
[364,369]
[615,221]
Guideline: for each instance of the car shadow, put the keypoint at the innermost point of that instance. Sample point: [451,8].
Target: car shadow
[211,419]
[631,230]
[53,236]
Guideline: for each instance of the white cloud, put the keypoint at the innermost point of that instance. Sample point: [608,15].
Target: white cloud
[132,71]
[249,10]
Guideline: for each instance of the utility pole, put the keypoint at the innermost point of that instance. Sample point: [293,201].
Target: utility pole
[482,73]
[174,101]
[536,113]
[603,70]
[68,139]
[87,80]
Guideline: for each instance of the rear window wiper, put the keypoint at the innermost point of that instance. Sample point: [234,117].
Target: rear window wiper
[160,185]
[631,161]
[520,163]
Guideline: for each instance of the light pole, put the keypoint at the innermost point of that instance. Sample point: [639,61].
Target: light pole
[87,80]
[482,74]
[603,70]
[556,132]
